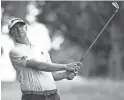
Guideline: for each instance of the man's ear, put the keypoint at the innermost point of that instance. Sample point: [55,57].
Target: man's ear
[13,38]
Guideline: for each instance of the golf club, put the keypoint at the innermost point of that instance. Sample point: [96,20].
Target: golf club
[117,8]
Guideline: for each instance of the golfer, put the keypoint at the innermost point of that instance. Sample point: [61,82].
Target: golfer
[35,71]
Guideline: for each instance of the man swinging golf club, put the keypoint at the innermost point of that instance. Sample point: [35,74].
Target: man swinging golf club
[37,74]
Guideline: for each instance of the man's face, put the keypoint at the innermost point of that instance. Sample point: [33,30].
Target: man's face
[19,32]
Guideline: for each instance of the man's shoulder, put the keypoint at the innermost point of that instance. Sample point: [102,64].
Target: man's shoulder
[15,51]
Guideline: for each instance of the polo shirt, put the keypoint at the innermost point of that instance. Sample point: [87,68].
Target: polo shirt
[31,79]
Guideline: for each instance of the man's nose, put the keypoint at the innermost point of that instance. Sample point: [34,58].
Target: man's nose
[20,29]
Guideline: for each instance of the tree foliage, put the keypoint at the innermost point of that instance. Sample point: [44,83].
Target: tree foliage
[81,22]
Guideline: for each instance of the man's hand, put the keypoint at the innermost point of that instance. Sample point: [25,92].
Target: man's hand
[75,66]
[71,75]
[72,67]
[71,71]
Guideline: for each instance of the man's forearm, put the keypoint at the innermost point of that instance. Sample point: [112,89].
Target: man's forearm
[59,75]
[51,67]
[44,66]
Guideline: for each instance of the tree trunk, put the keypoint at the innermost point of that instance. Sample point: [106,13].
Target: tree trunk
[115,64]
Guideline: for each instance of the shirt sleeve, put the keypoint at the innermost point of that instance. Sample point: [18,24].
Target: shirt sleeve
[18,58]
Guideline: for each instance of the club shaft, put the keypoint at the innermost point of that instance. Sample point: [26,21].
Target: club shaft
[97,37]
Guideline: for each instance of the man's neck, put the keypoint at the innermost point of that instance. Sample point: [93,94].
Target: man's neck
[22,41]
[26,43]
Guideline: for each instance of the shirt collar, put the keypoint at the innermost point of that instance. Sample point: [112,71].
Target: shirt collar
[19,44]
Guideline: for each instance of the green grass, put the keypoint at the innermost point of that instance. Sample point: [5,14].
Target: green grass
[74,90]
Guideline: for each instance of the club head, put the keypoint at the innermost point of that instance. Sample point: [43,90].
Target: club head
[115,5]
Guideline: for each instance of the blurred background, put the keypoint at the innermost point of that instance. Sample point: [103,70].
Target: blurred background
[66,29]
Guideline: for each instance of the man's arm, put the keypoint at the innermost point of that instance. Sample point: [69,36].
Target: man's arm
[59,75]
[64,75]
[45,66]
[23,60]
[51,67]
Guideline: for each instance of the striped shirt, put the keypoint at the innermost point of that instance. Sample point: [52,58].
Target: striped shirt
[30,79]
